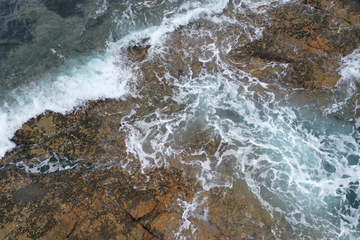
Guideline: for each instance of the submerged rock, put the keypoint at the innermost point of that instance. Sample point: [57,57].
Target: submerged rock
[14,30]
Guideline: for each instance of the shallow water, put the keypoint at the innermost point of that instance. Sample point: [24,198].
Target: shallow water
[297,152]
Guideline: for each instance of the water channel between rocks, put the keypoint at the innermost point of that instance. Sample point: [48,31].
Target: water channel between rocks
[179,119]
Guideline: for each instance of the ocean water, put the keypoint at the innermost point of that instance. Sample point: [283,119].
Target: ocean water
[298,153]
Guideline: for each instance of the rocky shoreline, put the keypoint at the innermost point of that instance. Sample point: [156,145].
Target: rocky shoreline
[99,198]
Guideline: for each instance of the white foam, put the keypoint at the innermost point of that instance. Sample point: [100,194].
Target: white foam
[350,70]
[348,83]
[290,167]
[102,8]
[256,4]
[188,12]
[196,208]
[47,165]
[102,76]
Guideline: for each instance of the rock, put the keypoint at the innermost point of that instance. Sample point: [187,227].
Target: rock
[310,40]
[29,194]
[348,10]
[86,204]
[165,223]
[142,208]
[80,134]
[243,215]
[317,28]
[110,203]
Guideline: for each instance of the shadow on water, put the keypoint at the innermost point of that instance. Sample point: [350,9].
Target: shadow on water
[65,8]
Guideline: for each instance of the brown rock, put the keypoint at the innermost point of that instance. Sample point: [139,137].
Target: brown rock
[348,10]
[142,209]
[140,205]
[310,40]
[241,213]
[166,224]
[88,205]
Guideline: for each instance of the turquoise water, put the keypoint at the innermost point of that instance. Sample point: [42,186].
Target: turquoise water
[298,154]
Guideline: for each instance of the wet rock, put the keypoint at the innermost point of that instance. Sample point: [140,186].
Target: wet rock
[81,134]
[165,223]
[309,40]
[317,28]
[109,203]
[348,10]
[47,130]
[138,53]
[141,209]
[30,193]
[243,220]
[88,205]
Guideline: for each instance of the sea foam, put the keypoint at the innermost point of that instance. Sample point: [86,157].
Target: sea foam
[99,77]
